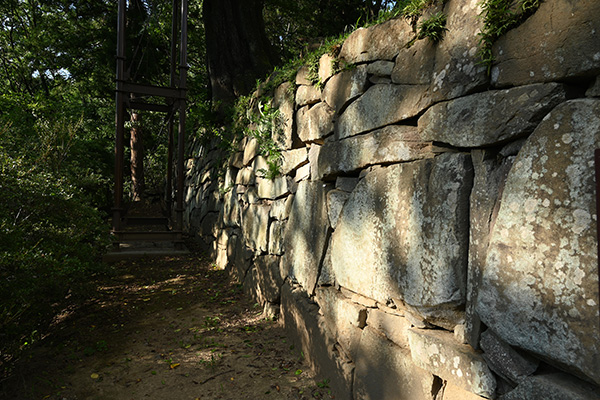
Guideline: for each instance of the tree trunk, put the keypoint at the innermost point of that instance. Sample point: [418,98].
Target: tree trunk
[137,158]
[237,47]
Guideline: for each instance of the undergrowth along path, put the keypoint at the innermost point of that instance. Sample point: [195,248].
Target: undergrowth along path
[168,328]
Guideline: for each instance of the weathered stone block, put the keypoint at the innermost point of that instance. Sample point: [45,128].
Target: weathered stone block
[490,117]
[255,223]
[280,209]
[553,387]
[314,123]
[308,331]
[326,67]
[457,63]
[504,360]
[292,159]
[380,68]
[403,233]
[394,327]
[561,40]
[491,168]
[345,87]
[451,392]
[272,188]
[346,184]
[594,90]
[302,76]
[539,288]
[343,318]
[335,201]
[306,234]
[307,95]
[415,65]
[382,105]
[395,143]
[250,151]
[276,230]
[437,352]
[263,281]
[379,42]
[283,100]
[241,258]
[386,371]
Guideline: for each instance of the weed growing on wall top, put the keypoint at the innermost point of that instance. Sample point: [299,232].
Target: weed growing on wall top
[500,16]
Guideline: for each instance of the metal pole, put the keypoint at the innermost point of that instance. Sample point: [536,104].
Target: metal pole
[173,82]
[183,67]
[119,119]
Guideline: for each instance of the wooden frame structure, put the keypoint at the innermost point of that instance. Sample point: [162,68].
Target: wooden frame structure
[128,96]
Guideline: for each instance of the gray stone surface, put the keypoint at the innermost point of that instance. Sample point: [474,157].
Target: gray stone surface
[504,360]
[241,258]
[392,144]
[335,201]
[382,105]
[438,352]
[457,65]
[314,123]
[553,387]
[379,42]
[292,159]
[272,188]
[255,223]
[306,234]
[230,213]
[276,229]
[561,40]
[343,318]
[347,184]
[539,287]
[414,65]
[263,281]
[452,392]
[326,67]
[385,371]
[307,329]
[283,100]
[490,117]
[345,87]
[250,151]
[394,327]
[307,95]
[491,169]
[380,68]
[594,90]
[280,209]
[403,233]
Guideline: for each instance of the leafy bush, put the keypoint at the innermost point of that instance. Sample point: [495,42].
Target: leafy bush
[51,241]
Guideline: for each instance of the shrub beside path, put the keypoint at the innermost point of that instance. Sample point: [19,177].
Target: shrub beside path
[169,328]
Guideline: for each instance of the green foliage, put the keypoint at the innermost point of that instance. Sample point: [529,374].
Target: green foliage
[500,16]
[266,128]
[433,28]
[50,241]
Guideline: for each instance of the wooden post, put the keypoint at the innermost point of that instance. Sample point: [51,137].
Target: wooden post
[183,67]
[119,119]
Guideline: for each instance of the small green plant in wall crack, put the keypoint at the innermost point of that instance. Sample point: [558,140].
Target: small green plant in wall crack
[267,129]
[500,16]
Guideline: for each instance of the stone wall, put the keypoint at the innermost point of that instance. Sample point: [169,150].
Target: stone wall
[433,232]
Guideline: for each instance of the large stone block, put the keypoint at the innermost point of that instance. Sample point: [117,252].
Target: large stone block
[490,117]
[561,40]
[335,201]
[307,329]
[504,360]
[272,188]
[395,327]
[292,159]
[240,257]
[539,288]
[491,168]
[307,95]
[255,223]
[314,123]
[263,281]
[382,105]
[343,318]
[403,233]
[345,87]
[392,144]
[283,100]
[379,42]
[230,213]
[553,387]
[385,371]
[438,352]
[306,234]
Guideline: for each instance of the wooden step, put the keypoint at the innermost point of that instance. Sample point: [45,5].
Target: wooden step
[143,221]
[149,236]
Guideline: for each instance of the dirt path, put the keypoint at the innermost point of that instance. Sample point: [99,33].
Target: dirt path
[172,328]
